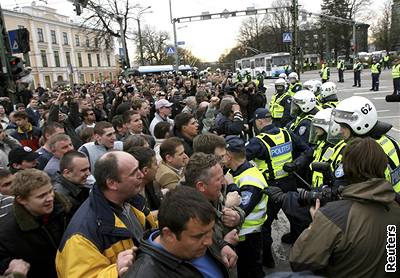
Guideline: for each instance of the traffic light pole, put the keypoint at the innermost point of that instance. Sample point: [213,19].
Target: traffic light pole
[5,51]
[295,44]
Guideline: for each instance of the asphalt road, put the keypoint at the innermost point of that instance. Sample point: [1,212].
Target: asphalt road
[387,112]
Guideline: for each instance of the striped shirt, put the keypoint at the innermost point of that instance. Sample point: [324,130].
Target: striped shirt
[6,203]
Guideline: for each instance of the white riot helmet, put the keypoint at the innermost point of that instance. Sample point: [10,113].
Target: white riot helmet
[303,100]
[280,85]
[283,76]
[359,113]
[293,77]
[328,89]
[323,120]
[310,85]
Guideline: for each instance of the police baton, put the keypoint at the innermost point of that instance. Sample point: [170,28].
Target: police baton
[300,178]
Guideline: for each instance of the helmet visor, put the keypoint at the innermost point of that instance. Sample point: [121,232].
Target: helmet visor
[340,116]
[294,109]
[334,131]
[316,134]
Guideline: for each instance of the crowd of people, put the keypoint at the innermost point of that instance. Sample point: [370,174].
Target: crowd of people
[182,175]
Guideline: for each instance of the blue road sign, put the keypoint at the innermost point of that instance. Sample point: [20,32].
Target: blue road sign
[170,50]
[121,52]
[13,36]
[180,43]
[287,37]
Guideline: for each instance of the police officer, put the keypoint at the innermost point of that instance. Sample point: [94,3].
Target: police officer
[375,72]
[294,83]
[322,128]
[303,108]
[386,62]
[357,116]
[357,67]
[270,149]
[313,86]
[325,72]
[340,68]
[280,104]
[396,77]
[254,203]
[328,98]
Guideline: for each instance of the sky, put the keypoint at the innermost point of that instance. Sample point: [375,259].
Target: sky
[206,39]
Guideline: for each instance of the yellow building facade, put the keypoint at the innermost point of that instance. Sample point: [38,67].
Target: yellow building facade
[62,51]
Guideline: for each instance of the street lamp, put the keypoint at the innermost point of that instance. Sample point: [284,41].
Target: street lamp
[140,33]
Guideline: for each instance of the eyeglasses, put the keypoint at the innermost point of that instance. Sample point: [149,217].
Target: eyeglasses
[90,114]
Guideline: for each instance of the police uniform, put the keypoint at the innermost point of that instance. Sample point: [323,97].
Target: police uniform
[396,78]
[392,150]
[251,183]
[301,125]
[375,72]
[328,102]
[270,150]
[279,107]
[357,74]
[325,73]
[340,68]
[294,88]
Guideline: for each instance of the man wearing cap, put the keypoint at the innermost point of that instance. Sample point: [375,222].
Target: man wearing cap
[270,149]
[22,158]
[164,108]
[254,203]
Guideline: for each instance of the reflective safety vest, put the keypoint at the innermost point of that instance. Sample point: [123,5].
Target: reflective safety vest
[374,68]
[332,155]
[329,104]
[396,71]
[324,73]
[275,106]
[392,150]
[357,66]
[255,219]
[298,120]
[291,87]
[386,58]
[279,151]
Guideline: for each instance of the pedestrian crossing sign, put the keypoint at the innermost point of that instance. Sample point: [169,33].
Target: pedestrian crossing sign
[170,50]
[287,37]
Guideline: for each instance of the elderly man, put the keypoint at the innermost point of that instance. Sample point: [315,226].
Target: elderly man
[101,237]
[59,145]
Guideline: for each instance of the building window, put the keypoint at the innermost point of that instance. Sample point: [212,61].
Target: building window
[91,77]
[96,43]
[108,60]
[100,76]
[111,76]
[44,58]
[87,42]
[89,57]
[107,43]
[98,60]
[80,60]
[53,37]
[65,38]
[40,35]
[77,43]
[68,58]
[57,58]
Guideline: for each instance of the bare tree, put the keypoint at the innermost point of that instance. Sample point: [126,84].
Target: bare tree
[154,43]
[103,18]
[381,31]
[251,30]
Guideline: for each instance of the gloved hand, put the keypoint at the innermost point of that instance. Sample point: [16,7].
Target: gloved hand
[276,195]
[290,167]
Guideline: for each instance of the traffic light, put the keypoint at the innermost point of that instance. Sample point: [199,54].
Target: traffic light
[16,67]
[23,40]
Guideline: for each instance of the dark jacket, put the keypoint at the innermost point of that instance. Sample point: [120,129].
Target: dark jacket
[75,194]
[225,126]
[152,262]
[187,143]
[34,116]
[350,237]
[72,122]
[26,237]
[29,138]
[6,204]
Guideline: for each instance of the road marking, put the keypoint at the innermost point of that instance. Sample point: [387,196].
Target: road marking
[378,98]
[381,111]
[373,93]
[358,88]
[390,117]
[395,129]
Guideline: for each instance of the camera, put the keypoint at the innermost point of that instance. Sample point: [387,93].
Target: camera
[325,194]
